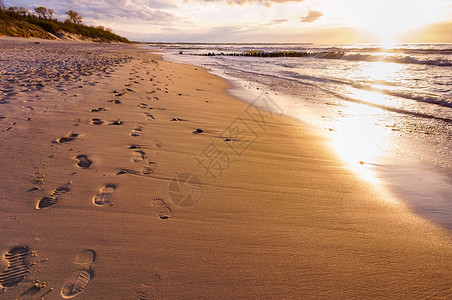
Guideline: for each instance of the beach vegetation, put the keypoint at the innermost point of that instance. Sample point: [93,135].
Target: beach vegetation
[73,17]
[20,22]
[44,13]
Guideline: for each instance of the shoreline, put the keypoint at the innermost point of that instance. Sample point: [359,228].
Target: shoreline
[389,168]
[285,218]
[397,175]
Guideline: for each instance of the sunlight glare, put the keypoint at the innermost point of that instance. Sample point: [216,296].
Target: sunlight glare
[359,140]
[389,18]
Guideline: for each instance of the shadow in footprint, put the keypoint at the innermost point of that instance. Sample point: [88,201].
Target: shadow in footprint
[98,109]
[116,123]
[37,287]
[149,168]
[115,101]
[83,161]
[18,266]
[149,117]
[198,131]
[80,278]
[69,137]
[136,132]
[96,121]
[53,197]
[105,195]
[31,291]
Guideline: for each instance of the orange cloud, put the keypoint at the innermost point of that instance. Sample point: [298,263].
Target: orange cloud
[312,16]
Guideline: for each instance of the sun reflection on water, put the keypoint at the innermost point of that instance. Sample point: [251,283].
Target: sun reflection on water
[359,141]
[359,138]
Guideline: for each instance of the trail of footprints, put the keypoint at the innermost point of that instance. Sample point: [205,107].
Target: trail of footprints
[17,258]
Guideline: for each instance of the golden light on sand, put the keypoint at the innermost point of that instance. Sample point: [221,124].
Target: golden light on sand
[359,142]
[388,18]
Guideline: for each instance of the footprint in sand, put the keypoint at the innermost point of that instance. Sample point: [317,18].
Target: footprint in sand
[83,161]
[69,137]
[96,121]
[18,266]
[53,197]
[138,156]
[114,101]
[136,132]
[143,105]
[104,196]
[145,292]
[149,168]
[80,278]
[162,210]
[99,109]
[149,117]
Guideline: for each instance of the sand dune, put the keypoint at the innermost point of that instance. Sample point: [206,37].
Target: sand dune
[127,177]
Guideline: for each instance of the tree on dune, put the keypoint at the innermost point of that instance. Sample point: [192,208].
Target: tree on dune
[20,12]
[43,12]
[74,17]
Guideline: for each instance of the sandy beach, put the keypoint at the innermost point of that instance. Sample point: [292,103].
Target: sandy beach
[124,176]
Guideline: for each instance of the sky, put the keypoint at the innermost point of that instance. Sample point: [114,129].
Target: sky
[290,21]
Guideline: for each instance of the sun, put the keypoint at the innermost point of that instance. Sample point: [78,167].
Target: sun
[389,18]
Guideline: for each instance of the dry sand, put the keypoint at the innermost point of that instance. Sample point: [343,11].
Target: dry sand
[90,205]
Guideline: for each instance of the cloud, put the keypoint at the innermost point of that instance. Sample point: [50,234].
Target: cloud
[312,16]
[138,11]
[243,2]
[276,22]
[114,12]
[259,34]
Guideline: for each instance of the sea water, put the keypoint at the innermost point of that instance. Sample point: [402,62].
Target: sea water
[386,110]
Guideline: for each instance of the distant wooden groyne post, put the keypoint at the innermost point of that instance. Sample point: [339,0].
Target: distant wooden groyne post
[330,55]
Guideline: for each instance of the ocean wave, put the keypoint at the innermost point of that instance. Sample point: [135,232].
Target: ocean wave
[431,60]
[322,83]
[406,94]
[405,59]
[370,86]
[432,99]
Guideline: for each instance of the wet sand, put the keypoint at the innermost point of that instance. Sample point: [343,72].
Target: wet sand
[124,176]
